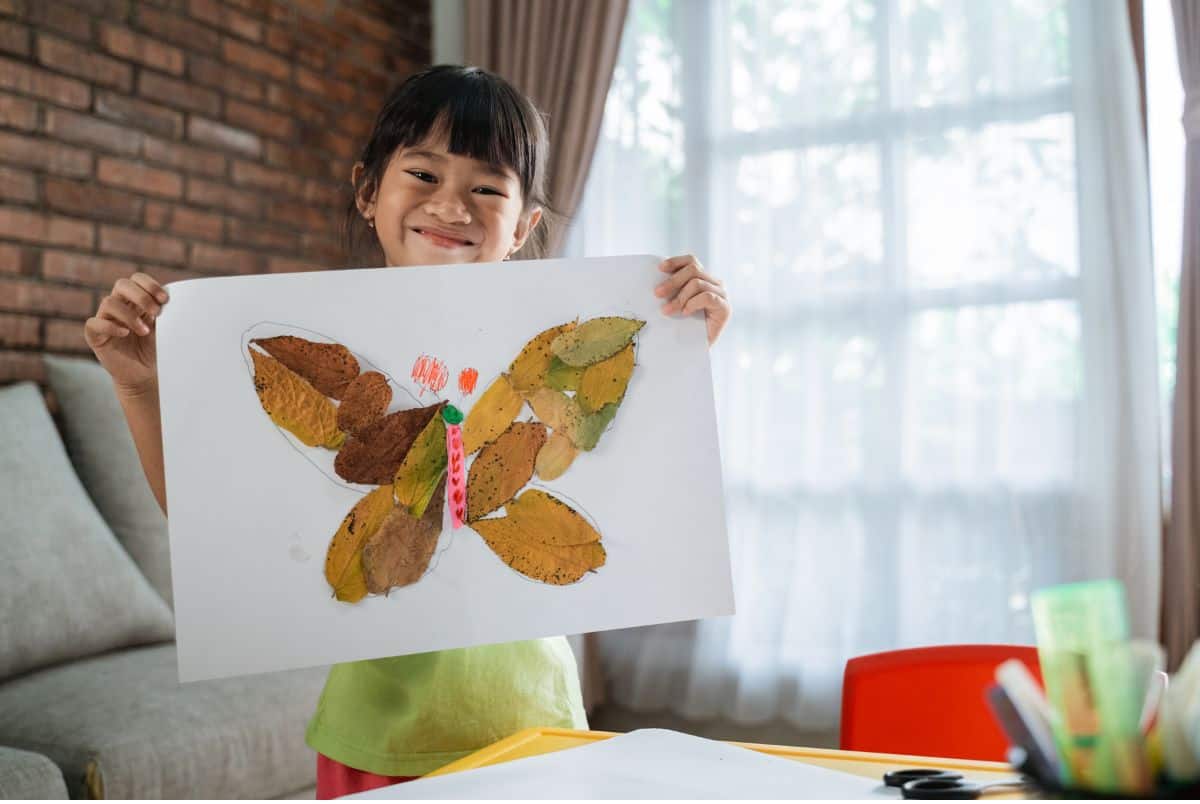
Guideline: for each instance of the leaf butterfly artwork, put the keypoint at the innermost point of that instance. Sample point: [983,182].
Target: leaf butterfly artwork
[434,462]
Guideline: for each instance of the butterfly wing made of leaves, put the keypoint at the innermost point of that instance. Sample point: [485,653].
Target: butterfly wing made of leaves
[503,468]
[294,404]
[543,538]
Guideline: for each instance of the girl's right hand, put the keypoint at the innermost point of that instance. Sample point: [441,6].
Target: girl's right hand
[121,333]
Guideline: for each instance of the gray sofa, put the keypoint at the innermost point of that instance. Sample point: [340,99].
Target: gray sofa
[90,703]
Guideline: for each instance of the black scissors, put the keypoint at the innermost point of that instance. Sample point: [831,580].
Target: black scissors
[931,783]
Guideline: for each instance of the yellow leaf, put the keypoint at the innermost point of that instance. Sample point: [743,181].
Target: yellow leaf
[560,412]
[555,457]
[503,467]
[528,372]
[293,404]
[491,415]
[423,466]
[594,340]
[543,538]
[343,561]
[605,382]
[398,553]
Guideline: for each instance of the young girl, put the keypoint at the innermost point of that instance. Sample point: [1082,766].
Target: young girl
[454,172]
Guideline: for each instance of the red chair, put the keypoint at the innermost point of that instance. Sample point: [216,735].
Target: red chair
[927,701]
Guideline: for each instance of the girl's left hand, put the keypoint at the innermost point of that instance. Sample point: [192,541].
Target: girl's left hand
[689,289]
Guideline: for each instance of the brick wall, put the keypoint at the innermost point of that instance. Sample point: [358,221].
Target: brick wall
[182,138]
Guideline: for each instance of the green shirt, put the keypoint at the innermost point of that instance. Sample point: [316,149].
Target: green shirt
[409,715]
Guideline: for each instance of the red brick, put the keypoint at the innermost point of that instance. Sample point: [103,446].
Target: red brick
[35,297]
[90,200]
[41,84]
[38,227]
[253,175]
[19,330]
[158,215]
[194,223]
[210,132]
[65,336]
[42,155]
[225,260]
[89,130]
[256,118]
[318,85]
[299,216]
[256,233]
[132,243]
[19,366]
[324,194]
[11,259]
[85,269]
[125,43]
[139,177]
[325,248]
[284,265]
[259,7]
[212,12]
[183,157]
[360,23]
[256,58]
[14,38]
[301,160]
[177,30]
[140,113]
[230,80]
[59,17]
[211,194]
[17,185]
[83,63]
[301,106]
[337,144]
[174,92]
[17,112]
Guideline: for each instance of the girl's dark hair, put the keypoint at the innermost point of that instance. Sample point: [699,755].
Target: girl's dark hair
[484,118]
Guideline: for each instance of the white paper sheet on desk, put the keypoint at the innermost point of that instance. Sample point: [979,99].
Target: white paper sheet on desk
[253,510]
[646,764]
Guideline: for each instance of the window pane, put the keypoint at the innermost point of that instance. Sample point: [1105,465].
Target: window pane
[795,223]
[789,62]
[996,203]
[991,396]
[956,51]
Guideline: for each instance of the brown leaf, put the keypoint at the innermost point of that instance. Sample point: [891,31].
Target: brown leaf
[295,405]
[491,415]
[503,468]
[605,382]
[399,552]
[595,339]
[343,561]
[528,372]
[330,367]
[373,454]
[555,457]
[543,538]
[365,400]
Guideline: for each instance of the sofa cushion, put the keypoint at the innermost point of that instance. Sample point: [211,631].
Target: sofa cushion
[122,726]
[106,460]
[69,589]
[24,774]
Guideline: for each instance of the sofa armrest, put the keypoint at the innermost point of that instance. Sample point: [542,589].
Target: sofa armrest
[24,774]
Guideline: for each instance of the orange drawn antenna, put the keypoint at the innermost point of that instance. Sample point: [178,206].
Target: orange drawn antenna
[429,373]
[466,380]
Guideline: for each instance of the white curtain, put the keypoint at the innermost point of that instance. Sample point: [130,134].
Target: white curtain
[939,391]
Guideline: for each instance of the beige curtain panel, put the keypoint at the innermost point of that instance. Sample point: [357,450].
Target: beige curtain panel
[1181,554]
[561,53]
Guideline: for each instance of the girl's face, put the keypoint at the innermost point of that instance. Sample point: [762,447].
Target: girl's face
[433,207]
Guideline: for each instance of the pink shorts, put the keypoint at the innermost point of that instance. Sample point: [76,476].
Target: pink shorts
[335,779]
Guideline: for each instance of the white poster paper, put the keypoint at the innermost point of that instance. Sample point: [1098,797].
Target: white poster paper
[252,509]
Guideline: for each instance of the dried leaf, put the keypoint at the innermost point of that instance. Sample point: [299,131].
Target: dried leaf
[560,412]
[562,377]
[555,457]
[543,538]
[492,414]
[330,367]
[528,372]
[343,561]
[605,382]
[595,340]
[295,405]
[374,454]
[364,402]
[398,553]
[422,468]
[503,468]
[592,426]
